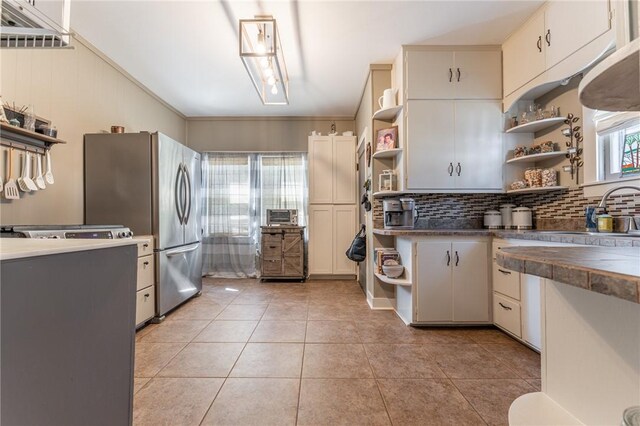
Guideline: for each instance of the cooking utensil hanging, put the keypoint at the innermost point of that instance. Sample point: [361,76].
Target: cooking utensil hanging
[48,176]
[11,188]
[39,178]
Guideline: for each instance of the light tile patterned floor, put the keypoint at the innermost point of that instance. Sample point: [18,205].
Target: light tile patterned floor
[252,353]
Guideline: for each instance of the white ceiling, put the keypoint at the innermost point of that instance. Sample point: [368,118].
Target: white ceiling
[187,51]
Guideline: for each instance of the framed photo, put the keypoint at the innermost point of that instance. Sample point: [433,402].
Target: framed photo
[387,138]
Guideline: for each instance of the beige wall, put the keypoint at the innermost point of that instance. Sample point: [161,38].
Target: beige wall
[80,93]
[258,133]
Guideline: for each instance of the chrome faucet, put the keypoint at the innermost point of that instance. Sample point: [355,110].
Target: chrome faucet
[605,197]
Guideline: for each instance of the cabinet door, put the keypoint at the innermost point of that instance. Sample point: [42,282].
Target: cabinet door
[470,281]
[430,144]
[531,310]
[320,170]
[478,75]
[434,289]
[344,170]
[344,229]
[523,54]
[570,26]
[320,239]
[430,75]
[478,145]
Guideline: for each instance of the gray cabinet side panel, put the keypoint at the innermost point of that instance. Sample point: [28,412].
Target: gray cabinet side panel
[117,187]
[67,324]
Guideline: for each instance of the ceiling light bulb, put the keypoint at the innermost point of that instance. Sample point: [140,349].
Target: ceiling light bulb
[261,48]
[274,90]
[268,72]
[264,63]
[271,80]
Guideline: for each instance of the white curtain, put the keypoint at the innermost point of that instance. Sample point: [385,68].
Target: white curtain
[237,191]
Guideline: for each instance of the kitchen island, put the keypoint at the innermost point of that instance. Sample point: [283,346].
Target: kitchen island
[591,333]
[67,314]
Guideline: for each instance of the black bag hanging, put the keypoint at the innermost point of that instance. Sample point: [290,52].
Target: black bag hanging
[358,249]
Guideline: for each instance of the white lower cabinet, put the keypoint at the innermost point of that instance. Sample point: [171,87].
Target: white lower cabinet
[331,230]
[452,281]
[517,298]
[145,285]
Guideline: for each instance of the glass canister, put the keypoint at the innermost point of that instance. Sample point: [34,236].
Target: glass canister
[533,176]
[387,181]
[549,177]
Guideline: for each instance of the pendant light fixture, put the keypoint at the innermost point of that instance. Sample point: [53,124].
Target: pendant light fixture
[261,54]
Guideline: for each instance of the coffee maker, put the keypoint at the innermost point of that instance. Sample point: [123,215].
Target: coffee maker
[399,213]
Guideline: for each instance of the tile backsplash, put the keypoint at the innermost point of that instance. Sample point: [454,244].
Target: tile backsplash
[567,204]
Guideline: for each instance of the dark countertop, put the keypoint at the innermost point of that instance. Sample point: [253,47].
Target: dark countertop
[559,237]
[612,271]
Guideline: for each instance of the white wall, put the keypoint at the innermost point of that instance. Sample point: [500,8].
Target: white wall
[258,133]
[80,92]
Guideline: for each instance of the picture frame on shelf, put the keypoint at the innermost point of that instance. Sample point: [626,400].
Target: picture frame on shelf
[387,138]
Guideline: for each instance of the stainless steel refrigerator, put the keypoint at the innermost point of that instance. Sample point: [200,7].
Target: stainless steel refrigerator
[151,184]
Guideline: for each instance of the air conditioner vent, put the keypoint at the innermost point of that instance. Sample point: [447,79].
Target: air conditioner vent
[23,26]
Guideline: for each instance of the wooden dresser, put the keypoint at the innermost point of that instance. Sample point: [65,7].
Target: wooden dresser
[282,253]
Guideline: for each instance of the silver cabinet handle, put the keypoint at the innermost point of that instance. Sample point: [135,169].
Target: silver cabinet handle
[450,75]
[182,250]
[450,168]
[448,258]
[504,307]
[458,69]
[547,37]
[458,169]
[504,272]
[539,44]
[457,258]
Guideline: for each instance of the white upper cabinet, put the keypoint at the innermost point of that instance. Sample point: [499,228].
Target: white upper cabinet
[453,74]
[454,145]
[321,169]
[332,170]
[523,54]
[430,144]
[555,32]
[478,145]
[570,25]
[344,170]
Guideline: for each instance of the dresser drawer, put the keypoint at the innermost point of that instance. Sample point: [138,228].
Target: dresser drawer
[145,304]
[506,314]
[145,246]
[145,272]
[272,248]
[272,268]
[506,282]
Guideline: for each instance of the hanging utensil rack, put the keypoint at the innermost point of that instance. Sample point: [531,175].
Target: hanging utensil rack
[19,138]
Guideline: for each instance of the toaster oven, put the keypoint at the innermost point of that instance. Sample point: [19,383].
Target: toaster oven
[282,217]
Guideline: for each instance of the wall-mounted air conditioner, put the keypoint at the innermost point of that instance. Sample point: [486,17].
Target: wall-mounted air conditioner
[26,24]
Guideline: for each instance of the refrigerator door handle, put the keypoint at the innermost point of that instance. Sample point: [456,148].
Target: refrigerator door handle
[182,250]
[178,190]
[188,193]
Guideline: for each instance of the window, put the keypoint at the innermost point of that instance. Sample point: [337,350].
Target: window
[282,184]
[618,141]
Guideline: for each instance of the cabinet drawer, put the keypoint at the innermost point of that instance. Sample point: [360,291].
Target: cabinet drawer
[145,304]
[506,314]
[506,282]
[145,272]
[145,246]
[272,267]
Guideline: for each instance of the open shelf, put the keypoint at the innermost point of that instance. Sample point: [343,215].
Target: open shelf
[536,189]
[387,114]
[381,194]
[394,281]
[18,135]
[387,153]
[537,157]
[537,125]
